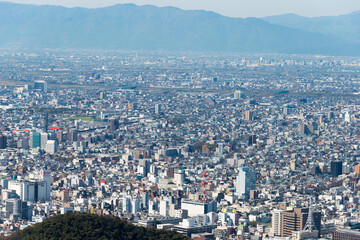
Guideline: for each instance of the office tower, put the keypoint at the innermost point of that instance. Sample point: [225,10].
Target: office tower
[145,166]
[23,143]
[164,208]
[18,208]
[276,222]
[286,111]
[126,205]
[114,124]
[51,147]
[336,168]
[220,148]
[347,117]
[40,85]
[157,108]
[249,116]
[153,169]
[135,206]
[330,115]
[238,94]
[346,234]
[72,135]
[102,95]
[293,165]
[46,177]
[195,208]
[26,190]
[44,139]
[59,136]
[304,129]
[252,140]
[3,141]
[65,195]
[179,177]
[46,122]
[35,140]
[357,169]
[296,219]
[245,181]
[312,126]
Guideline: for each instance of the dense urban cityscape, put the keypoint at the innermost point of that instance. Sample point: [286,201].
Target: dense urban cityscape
[213,146]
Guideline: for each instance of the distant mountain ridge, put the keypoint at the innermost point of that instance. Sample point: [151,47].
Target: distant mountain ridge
[131,27]
[345,27]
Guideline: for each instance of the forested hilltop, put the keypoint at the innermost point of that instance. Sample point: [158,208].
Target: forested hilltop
[83,226]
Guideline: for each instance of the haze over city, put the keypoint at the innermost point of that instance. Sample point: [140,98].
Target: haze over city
[231,8]
[138,121]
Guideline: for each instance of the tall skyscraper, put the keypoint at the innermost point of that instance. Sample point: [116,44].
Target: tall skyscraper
[44,139]
[72,135]
[252,140]
[245,181]
[46,177]
[3,141]
[114,124]
[157,108]
[35,140]
[276,222]
[249,116]
[336,168]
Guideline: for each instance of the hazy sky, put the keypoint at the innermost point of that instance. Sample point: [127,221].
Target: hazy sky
[233,8]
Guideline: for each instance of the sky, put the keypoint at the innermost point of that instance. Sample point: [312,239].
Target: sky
[231,8]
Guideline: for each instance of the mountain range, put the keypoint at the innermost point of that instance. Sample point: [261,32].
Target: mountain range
[345,27]
[131,27]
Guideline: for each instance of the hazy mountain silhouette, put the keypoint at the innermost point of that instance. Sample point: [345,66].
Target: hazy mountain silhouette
[152,28]
[344,26]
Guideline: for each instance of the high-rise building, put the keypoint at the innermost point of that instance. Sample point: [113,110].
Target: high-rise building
[114,124]
[276,222]
[179,177]
[102,95]
[46,177]
[357,169]
[3,141]
[35,140]
[336,168]
[164,208]
[245,181]
[43,140]
[40,85]
[135,206]
[249,116]
[252,140]
[18,208]
[296,219]
[72,135]
[157,108]
[304,129]
[51,147]
[286,110]
[60,136]
[238,94]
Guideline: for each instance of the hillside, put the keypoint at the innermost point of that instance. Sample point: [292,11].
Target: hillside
[90,226]
[131,27]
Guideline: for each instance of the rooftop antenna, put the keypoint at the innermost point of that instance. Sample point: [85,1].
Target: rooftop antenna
[310,224]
